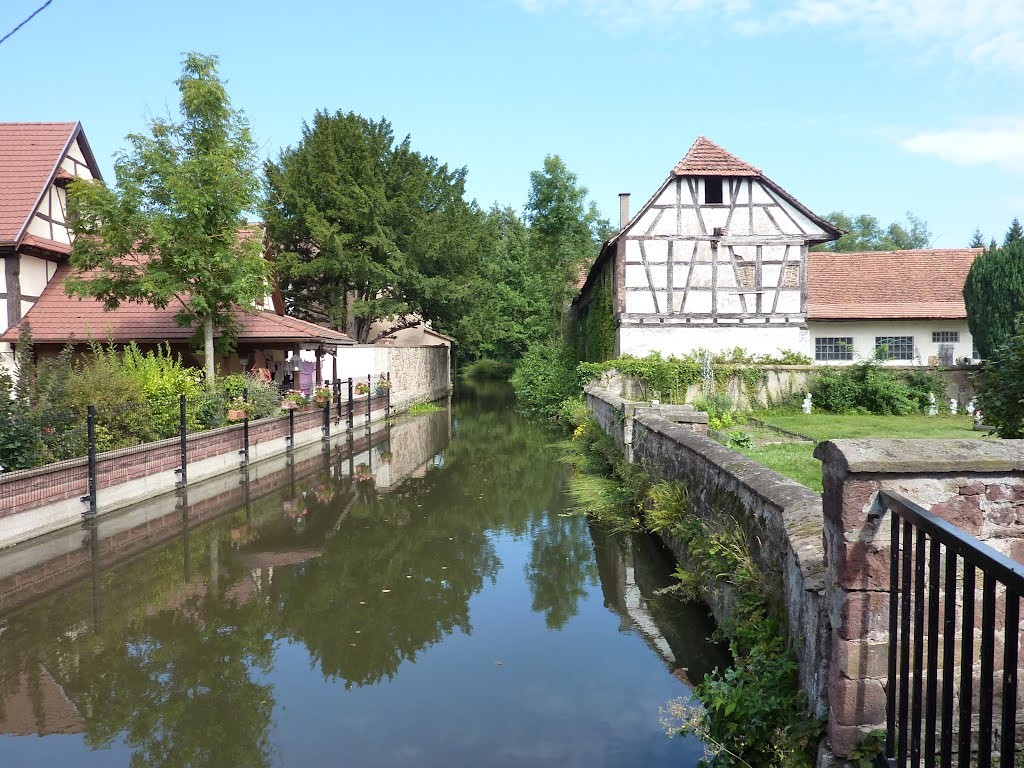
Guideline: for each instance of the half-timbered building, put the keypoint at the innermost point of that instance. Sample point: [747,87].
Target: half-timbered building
[717,258]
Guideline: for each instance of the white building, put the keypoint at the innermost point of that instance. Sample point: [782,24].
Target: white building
[719,257]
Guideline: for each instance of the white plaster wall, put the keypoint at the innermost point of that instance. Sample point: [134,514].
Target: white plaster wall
[864,332]
[679,340]
[34,275]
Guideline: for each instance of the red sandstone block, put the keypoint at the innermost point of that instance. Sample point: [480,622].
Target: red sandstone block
[962,511]
[858,659]
[864,616]
[863,565]
[858,497]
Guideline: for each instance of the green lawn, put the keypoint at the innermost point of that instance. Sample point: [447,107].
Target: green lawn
[796,459]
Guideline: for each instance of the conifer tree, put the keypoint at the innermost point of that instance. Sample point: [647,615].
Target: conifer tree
[994,295]
[1015,233]
[977,240]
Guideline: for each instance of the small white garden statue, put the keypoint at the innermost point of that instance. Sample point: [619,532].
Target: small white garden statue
[807,403]
[970,407]
[933,409]
[953,406]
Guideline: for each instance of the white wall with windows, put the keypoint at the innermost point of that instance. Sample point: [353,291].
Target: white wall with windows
[906,342]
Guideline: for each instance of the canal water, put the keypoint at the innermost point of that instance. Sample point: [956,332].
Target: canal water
[415,596]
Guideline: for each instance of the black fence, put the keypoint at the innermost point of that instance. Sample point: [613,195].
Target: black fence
[964,703]
[73,454]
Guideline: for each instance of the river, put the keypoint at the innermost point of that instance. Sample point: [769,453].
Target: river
[417,596]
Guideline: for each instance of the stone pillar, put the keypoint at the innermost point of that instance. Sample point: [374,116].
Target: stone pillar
[977,485]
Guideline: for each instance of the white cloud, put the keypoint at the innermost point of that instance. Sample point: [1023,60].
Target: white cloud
[1000,144]
[987,33]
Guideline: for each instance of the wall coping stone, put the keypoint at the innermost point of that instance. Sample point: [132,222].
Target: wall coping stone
[913,456]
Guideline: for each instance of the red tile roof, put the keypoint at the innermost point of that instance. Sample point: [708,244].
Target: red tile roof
[29,156]
[706,158]
[888,284]
[58,319]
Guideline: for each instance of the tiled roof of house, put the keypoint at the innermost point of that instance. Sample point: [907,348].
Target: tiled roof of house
[29,156]
[706,158]
[888,284]
[57,318]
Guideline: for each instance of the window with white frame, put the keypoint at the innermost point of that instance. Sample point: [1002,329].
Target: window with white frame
[945,337]
[894,347]
[833,348]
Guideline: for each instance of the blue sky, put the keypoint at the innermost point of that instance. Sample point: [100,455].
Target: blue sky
[873,106]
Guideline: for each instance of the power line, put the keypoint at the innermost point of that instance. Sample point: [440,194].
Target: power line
[25,21]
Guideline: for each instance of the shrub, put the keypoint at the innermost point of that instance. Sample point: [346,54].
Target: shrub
[545,377]
[1000,386]
[264,395]
[486,369]
[866,388]
[19,436]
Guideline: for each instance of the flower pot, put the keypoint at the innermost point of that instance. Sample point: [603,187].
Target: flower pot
[380,391]
[288,405]
[236,414]
[321,401]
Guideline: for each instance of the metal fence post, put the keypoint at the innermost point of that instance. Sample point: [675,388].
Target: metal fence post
[183,431]
[327,420]
[91,431]
[369,396]
[291,428]
[351,405]
[387,409]
[245,430]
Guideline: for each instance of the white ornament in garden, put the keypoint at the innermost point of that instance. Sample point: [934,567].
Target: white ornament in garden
[952,406]
[933,409]
[807,403]
[970,406]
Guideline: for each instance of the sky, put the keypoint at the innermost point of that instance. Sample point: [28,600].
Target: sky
[863,106]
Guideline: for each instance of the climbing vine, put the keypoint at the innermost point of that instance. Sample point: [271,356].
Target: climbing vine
[596,338]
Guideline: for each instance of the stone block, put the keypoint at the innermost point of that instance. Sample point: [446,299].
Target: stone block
[857,702]
[857,659]
[844,738]
[859,496]
[962,511]
[863,616]
[863,565]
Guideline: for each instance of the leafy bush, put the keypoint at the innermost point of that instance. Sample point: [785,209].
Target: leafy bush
[546,376]
[1000,386]
[19,435]
[867,387]
[264,395]
[486,369]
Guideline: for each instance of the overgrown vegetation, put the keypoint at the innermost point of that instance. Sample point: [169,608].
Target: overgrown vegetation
[418,409]
[487,369]
[1000,387]
[546,376]
[994,295]
[868,387]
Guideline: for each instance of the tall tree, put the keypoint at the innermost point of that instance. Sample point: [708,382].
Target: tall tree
[977,239]
[566,226]
[170,228]
[1015,233]
[865,233]
[369,229]
[994,295]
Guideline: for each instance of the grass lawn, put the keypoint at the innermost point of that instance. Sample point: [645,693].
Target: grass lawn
[796,459]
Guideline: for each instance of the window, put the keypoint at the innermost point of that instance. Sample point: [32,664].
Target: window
[945,337]
[713,190]
[894,347]
[833,348]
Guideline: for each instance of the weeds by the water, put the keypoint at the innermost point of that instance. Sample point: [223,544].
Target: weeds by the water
[418,409]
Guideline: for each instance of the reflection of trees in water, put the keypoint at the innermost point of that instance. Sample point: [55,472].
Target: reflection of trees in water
[179,689]
[561,567]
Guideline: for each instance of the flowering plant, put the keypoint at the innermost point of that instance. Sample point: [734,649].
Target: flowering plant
[362,387]
[321,394]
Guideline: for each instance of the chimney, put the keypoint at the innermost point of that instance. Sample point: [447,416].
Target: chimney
[623,209]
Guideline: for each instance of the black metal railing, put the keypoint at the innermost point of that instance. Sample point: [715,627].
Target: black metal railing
[963,703]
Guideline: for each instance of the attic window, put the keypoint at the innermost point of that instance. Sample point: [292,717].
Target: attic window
[713,190]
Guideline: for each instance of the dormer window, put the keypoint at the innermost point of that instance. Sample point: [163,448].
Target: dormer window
[713,190]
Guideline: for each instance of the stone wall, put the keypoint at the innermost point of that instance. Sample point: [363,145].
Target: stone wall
[781,519]
[976,485]
[782,381]
[418,373]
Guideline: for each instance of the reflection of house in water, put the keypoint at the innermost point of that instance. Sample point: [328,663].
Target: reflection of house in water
[632,568]
[39,706]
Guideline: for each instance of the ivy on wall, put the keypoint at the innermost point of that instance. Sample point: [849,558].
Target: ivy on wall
[597,339]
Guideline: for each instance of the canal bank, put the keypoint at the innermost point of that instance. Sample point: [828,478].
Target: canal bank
[425,600]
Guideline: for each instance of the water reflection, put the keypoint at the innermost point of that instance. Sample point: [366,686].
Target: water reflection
[166,636]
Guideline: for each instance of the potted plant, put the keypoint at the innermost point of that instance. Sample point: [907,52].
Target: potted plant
[362,387]
[239,409]
[382,387]
[292,399]
[321,395]
[362,474]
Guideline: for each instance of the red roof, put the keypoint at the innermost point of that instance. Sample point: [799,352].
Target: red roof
[29,156]
[888,284]
[58,319]
[706,158]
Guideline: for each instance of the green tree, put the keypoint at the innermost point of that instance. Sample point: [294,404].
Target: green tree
[170,228]
[994,295]
[368,228]
[1001,388]
[865,233]
[977,239]
[1015,233]
[567,229]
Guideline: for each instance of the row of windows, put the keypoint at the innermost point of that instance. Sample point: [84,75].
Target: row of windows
[886,347]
